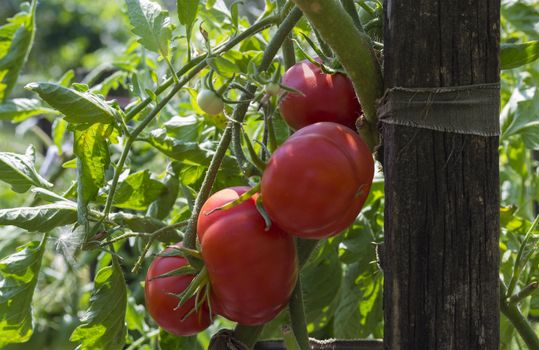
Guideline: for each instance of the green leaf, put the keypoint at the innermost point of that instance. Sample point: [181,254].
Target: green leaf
[177,149]
[168,341]
[186,129]
[321,281]
[522,15]
[151,24]
[47,195]
[134,316]
[78,107]
[16,38]
[166,200]
[19,109]
[145,224]
[187,14]
[137,191]
[522,117]
[19,171]
[91,148]
[67,78]
[223,66]
[41,218]
[59,127]
[516,55]
[103,325]
[18,278]
[112,82]
[359,313]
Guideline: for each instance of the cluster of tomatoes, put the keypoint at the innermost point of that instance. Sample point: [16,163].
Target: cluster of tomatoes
[313,187]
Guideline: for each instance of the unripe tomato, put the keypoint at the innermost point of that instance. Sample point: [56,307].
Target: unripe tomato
[326,97]
[161,305]
[252,271]
[272,89]
[209,102]
[316,183]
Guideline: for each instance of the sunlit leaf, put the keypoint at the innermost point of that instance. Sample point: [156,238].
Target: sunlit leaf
[137,191]
[103,325]
[151,24]
[77,106]
[16,38]
[19,171]
[516,55]
[187,14]
[19,109]
[42,218]
[92,150]
[18,278]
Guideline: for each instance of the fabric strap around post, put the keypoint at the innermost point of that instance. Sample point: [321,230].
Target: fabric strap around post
[458,109]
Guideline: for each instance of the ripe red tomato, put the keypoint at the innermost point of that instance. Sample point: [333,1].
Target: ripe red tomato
[326,97]
[161,304]
[316,183]
[252,271]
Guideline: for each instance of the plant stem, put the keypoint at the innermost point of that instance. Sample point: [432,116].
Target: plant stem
[289,339]
[354,51]
[289,55]
[524,293]
[189,240]
[195,70]
[255,28]
[519,265]
[518,320]
[297,315]
[521,324]
[269,53]
[350,8]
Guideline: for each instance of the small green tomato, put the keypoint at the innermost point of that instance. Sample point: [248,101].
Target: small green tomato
[209,102]
[272,89]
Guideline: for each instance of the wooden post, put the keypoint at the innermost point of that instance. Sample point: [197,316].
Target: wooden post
[442,191]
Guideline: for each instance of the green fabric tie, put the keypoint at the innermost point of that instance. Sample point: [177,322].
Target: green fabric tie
[472,109]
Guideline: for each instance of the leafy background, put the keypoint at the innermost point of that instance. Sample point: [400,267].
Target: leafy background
[65,293]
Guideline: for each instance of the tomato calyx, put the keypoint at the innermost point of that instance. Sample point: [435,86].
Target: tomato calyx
[260,207]
[245,196]
[199,288]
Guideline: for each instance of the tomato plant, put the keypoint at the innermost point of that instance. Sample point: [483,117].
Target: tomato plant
[131,140]
[317,181]
[252,270]
[161,302]
[324,97]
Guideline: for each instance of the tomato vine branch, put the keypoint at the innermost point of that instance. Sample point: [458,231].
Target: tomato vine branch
[255,28]
[354,51]
[269,53]
[521,324]
[196,68]
[297,315]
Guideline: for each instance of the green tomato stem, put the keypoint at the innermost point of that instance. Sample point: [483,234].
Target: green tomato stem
[519,264]
[196,68]
[350,7]
[252,30]
[269,53]
[289,340]
[189,240]
[289,55]
[354,51]
[524,293]
[521,324]
[297,316]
